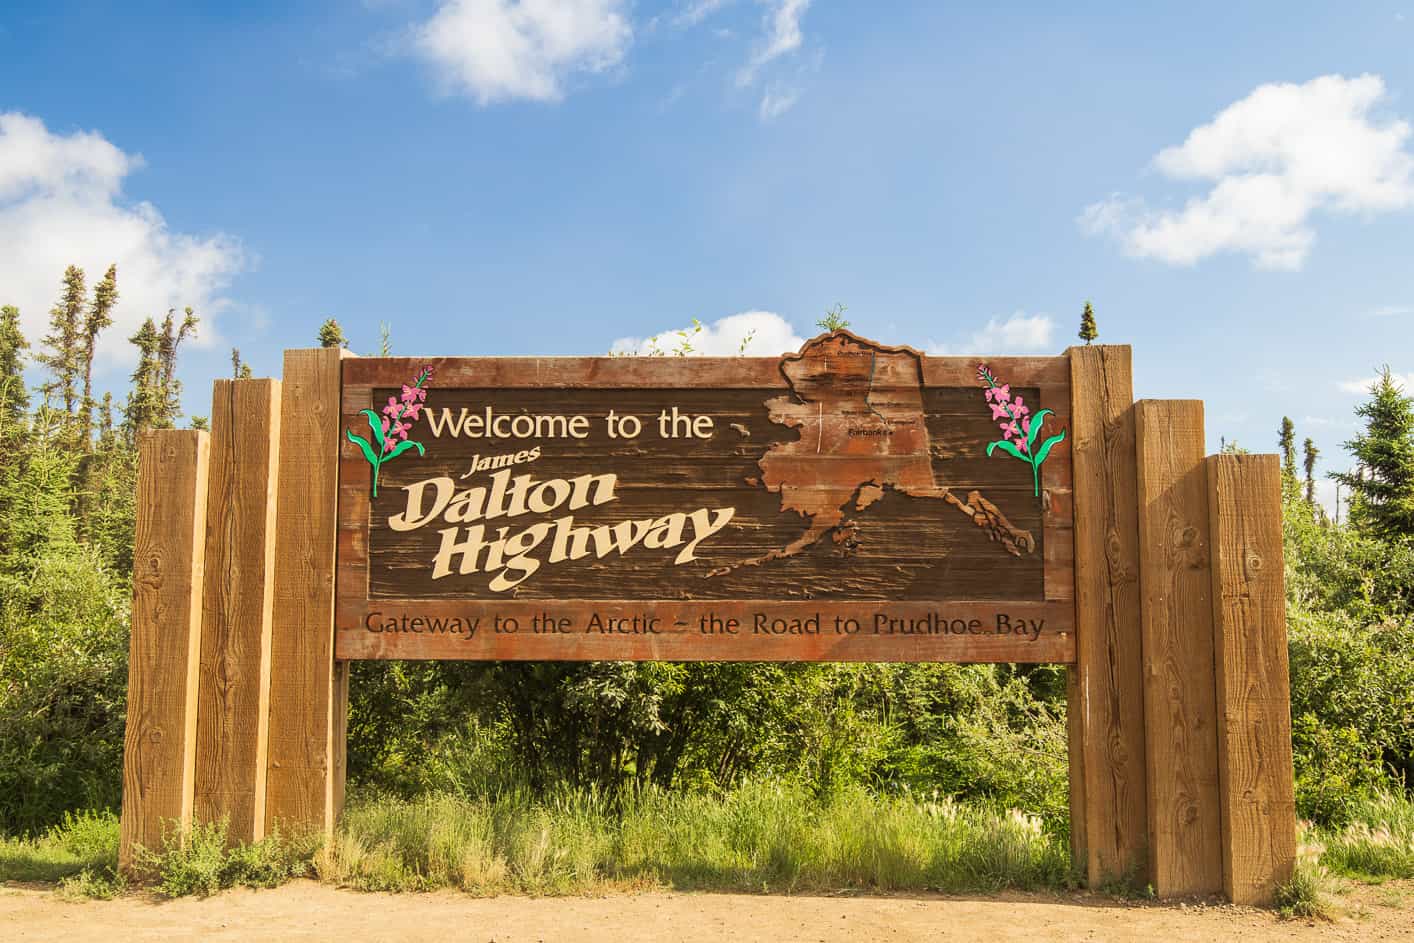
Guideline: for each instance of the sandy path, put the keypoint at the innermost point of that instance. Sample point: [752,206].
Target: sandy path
[308,911]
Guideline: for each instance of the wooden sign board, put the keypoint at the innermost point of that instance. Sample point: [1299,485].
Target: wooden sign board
[850,501]
[834,504]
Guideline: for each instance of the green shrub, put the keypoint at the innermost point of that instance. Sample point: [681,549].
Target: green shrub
[207,862]
[81,854]
[63,683]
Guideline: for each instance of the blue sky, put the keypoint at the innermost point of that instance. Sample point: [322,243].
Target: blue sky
[494,177]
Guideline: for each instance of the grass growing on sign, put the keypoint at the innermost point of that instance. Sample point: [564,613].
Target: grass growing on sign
[759,837]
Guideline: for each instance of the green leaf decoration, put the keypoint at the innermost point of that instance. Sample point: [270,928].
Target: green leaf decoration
[1006,447]
[362,443]
[402,447]
[375,423]
[1035,431]
[1045,448]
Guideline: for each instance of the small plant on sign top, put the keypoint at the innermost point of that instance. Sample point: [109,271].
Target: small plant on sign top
[390,431]
[1020,429]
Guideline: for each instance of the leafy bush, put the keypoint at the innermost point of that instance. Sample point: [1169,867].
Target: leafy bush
[206,862]
[81,853]
[63,659]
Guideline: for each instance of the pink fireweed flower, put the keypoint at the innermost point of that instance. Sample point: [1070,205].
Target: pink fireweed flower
[390,428]
[1018,425]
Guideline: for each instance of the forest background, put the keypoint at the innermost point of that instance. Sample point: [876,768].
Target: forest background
[992,736]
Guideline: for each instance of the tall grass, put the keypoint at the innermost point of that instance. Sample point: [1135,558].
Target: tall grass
[80,854]
[1379,843]
[758,837]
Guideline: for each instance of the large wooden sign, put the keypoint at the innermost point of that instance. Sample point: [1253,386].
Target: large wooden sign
[846,501]
[837,503]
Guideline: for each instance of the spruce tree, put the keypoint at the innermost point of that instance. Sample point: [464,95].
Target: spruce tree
[14,397]
[105,296]
[331,334]
[1088,331]
[1382,489]
[1311,453]
[1287,440]
[240,370]
[144,399]
[63,346]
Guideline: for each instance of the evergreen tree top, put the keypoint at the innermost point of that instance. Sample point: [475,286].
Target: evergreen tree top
[331,334]
[1088,330]
[1382,487]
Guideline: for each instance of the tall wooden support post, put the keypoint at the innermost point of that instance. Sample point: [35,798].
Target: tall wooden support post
[1254,699]
[234,691]
[1180,699]
[159,751]
[1105,691]
[308,690]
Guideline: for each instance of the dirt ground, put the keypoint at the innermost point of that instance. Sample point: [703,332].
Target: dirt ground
[308,911]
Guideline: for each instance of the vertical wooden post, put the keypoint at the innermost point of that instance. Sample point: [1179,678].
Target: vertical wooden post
[308,689]
[234,692]
[1105,694]
[159,750]
[1254,690]
[1180,699]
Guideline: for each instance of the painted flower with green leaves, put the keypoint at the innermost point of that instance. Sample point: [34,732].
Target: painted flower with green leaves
[1020,428]
[388,433]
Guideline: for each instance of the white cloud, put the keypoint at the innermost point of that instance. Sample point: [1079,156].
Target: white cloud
[1362,385]
[697,11]
[1275,158]
[1391,311]
[1019,334]
[503,50]
[778,101]
[770,334]
[61,204]
[783,36]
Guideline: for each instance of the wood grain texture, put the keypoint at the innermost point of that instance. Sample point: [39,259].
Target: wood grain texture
[451,629]
[1254,699]
[866,480]
[234,691]
[1106,697]
[665,372]
[159,749]
[1180,700]
[300,791]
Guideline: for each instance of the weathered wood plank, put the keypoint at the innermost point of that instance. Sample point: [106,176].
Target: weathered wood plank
[234,691]
[1254,700]
[1181,745]
[964,631]
[159,749]
[667,372]
[300,790]
[1106,699]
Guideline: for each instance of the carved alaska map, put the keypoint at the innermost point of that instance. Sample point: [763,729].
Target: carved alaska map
[858,407]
